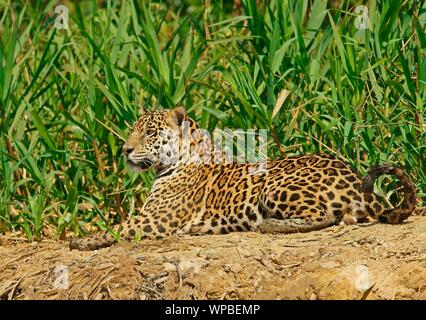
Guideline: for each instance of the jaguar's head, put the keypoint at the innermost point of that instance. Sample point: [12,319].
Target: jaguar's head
[154,141]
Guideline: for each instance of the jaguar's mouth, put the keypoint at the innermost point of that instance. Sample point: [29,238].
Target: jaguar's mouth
[140,165]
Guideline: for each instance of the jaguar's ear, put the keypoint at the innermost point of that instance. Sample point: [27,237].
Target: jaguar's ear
[177,115]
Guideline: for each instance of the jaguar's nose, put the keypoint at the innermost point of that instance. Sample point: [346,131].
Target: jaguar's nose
[127,149]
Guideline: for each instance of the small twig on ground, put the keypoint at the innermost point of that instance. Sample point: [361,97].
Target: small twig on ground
[13,289]
[417,258]
[367,292]
[15,259]
[100,282]
[175,262]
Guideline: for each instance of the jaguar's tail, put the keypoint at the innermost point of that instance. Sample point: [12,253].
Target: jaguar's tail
[96,241]
[408,204]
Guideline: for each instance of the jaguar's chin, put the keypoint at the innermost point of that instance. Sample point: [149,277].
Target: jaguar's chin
[140,165]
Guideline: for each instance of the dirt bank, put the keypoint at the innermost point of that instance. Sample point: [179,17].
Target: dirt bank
[369,261]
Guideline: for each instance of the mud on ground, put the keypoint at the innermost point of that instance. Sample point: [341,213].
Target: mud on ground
[368,261]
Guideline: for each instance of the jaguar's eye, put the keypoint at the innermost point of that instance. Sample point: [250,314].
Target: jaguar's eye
[149,132]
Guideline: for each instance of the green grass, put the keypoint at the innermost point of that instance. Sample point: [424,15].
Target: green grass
[301,69]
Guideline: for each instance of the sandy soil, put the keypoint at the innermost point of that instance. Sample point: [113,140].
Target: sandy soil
[368,261]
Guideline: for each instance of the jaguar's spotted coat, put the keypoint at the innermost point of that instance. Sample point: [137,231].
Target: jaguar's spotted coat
[296,194]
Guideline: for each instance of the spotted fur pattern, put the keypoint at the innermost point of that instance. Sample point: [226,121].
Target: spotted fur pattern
[295,194]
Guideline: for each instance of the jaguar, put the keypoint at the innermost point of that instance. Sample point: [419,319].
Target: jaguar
[287,195]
